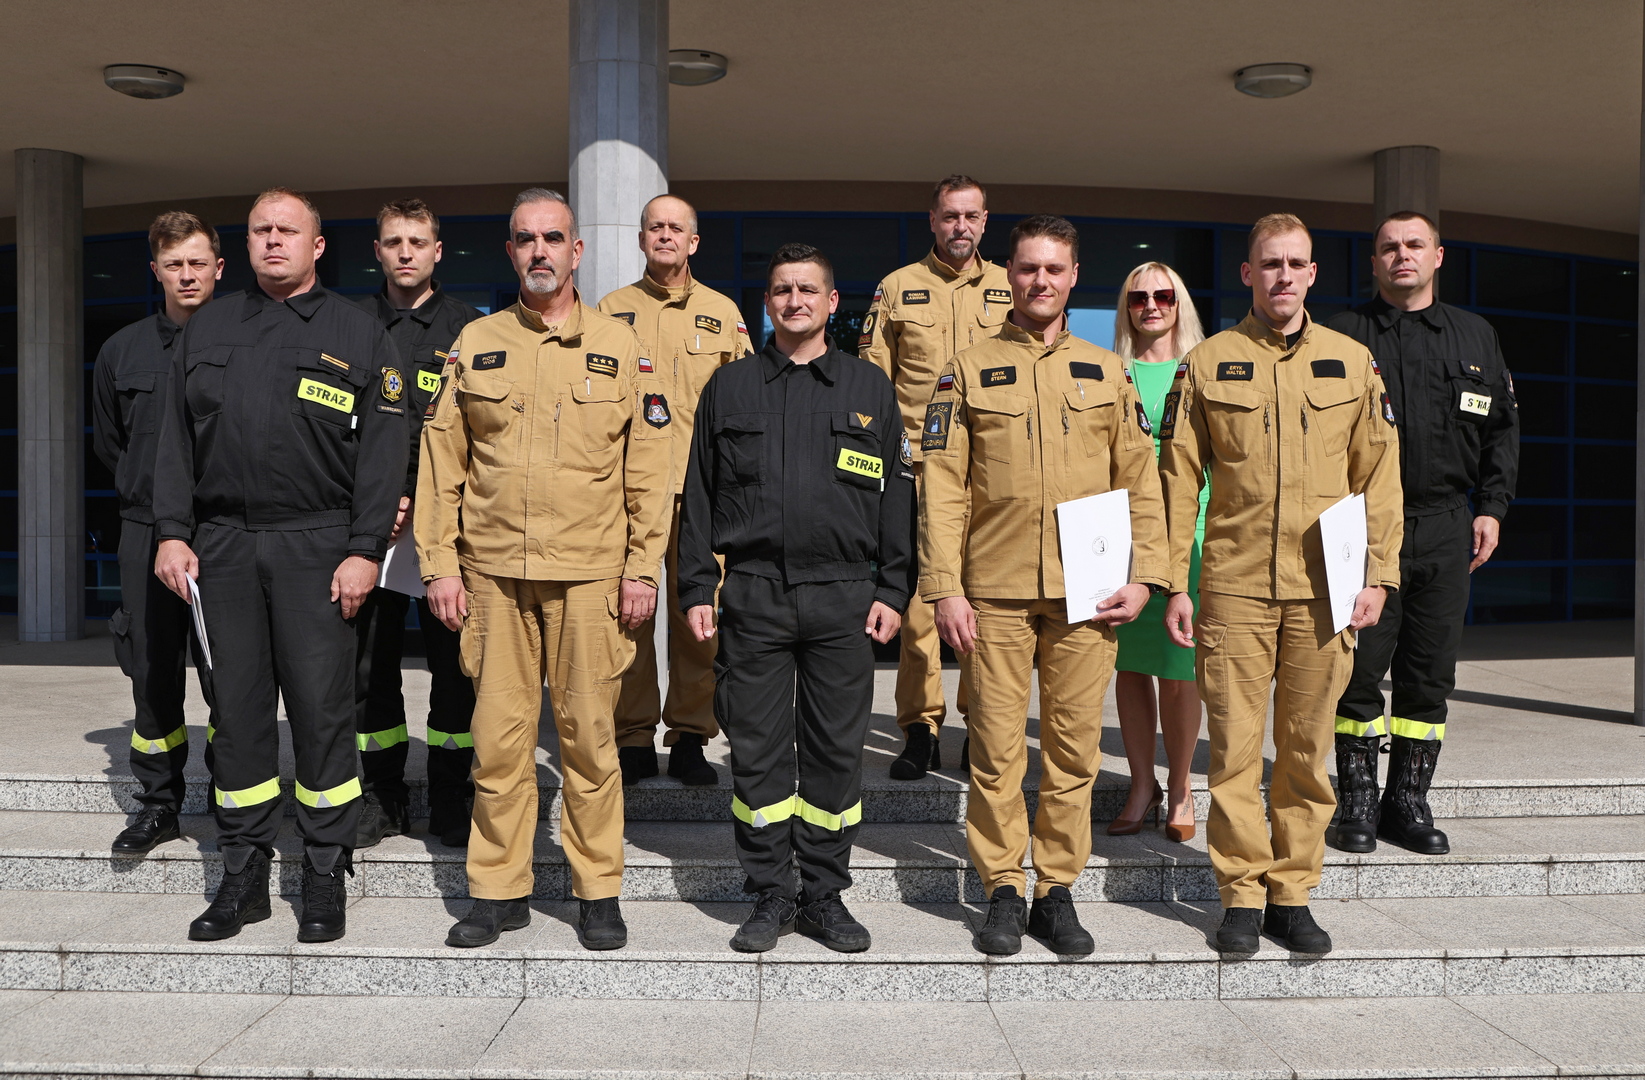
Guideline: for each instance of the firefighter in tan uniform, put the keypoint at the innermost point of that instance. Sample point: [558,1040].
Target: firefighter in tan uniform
[1289,418]
[1031,418]
[686,331]
[921,316]
[541,518]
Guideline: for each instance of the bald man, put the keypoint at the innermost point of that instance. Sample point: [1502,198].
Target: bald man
[686,331]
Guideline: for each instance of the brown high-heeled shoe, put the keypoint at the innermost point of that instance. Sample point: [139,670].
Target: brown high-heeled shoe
[1180,834]
[1132,826]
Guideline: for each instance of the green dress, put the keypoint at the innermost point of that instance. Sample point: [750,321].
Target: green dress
[1143,644]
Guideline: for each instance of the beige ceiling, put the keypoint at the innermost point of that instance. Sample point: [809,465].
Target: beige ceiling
[1534,103]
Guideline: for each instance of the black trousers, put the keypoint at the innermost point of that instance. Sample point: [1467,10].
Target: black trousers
[794,685]
[1417,638]
[275,635]
[380,708]
[151,641]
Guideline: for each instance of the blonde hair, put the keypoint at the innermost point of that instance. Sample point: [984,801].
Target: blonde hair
[1186,334]
[1277,225]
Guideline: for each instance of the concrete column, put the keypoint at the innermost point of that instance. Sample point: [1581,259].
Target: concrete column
[1639,459]
[51,471]
[619,132]
[1407,178]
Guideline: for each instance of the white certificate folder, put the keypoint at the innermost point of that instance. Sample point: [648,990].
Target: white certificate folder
[401,571]
[1342,531]
[199,622]
[1094,534]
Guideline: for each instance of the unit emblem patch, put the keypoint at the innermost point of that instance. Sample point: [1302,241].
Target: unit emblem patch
[866,337]
[394,387]
[1168,416]
[656,410]
[939,417]
[1388,409]
[1142,420]
[906,452]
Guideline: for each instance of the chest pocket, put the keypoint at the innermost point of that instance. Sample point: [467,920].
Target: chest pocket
[203,380]
[1234,417]
[1091,416]
[739,450]
[1468,395]
[597,420]
[921,342]
[1332,410]
[324,392]
[855,459]
[139,405]
[704,353]
[999,437]
[493,423]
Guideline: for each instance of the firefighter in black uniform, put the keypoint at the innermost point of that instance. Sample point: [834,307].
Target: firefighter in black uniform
[800,475]
[423,321]
[1453,398]
[151,629]
[282,457]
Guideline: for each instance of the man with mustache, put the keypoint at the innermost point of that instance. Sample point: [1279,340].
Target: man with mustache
[541,519]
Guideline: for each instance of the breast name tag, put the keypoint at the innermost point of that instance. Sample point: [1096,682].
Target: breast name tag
[1478,404]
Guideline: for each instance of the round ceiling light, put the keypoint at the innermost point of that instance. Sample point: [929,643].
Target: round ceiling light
[1273,80]
[143,80]
[695,67]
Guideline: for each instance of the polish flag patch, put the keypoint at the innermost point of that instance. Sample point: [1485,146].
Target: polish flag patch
[646,365]
[742,328]
[945,382]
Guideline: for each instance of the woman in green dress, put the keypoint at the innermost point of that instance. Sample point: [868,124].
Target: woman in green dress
[1155,327]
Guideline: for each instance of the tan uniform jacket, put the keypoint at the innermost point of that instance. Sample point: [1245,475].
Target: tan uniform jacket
[1029,427]
[1285,433]
[686,333]
[921,316]
[547,455]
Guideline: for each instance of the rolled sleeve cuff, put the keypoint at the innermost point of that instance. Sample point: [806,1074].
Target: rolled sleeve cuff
[173,530]
[934,587]
[369,546]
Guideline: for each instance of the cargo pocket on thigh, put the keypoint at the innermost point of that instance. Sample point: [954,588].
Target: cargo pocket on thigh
[120,628]
[1208,638]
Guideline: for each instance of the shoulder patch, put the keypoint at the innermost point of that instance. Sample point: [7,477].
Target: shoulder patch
[939,418]
[1182,371]
[1234,370]
[864,419]
[487,360]
[1376,368]
[866,337]
[656,410]
[708,323]
[1388,409]
[602,365]
[999,376]
[1168,416]
[916,296]
[1142,420]
[742,328]
[997,296]
[945,382]
[625,316]
[1329,369]
[906,453]
[1082,370]
[394,387]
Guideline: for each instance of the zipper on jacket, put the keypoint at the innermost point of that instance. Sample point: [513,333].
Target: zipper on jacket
[557,405]
[1030,434]
[1305,434]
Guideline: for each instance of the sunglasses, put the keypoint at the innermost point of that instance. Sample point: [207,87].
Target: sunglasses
[1138,298]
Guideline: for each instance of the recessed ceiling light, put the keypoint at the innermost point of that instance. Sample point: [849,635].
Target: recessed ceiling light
[1273,80]
[695,67]
[143,80]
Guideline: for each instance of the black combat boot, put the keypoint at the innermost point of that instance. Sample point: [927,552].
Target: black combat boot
[1295,928]
[381,815]
[772,917]
[1405,819]
[153,826]
[1001,933]
[827,920]
[1356,828]
[920,754]
[325,899]
[242,897]
[486,921]
[600,924]
[449,816]
[637,763]
[1054,921]
[687,764]
[1240,932]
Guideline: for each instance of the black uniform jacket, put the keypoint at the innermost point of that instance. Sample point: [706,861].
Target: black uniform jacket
[283,416]
[1453,401]
[423,338]
[801,473]
[128,389]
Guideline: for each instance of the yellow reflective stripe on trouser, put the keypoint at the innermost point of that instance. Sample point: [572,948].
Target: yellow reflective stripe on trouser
[1416,729]
[765,815]
[211,732]
[445,740]
[381,740]
[251,796]
[1345,726]
[832,822]
[159,746]
[337,796]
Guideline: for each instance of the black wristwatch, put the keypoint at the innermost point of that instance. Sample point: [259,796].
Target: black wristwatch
[1156,590]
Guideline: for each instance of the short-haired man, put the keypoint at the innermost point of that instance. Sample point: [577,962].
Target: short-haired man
[922,315]
[1453,400]
[151,629]
[423,320]
[687,331]
[800,476]
[1288,418]
[1027,419]
[282,454]
[541,519]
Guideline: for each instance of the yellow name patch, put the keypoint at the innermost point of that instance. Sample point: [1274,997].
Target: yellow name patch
[1478,404]
[428,381]
[329,396]
[861,464]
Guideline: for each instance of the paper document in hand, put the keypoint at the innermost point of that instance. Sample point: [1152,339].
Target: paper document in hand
[1342,531]
[199,622]
[1094,534]
[400,571]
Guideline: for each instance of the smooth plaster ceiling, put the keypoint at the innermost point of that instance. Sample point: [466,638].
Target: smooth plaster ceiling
[1535,104]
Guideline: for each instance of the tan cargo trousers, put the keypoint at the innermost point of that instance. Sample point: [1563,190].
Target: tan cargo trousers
[518,634]
[919,694]
[690,704]
[1076,663]
[1245,647]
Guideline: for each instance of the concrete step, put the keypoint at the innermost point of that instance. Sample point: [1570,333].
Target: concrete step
[938,797]
[914,863]
[680,951]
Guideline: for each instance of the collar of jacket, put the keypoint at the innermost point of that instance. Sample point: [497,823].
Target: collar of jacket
[1387,314]
[948,273]
[1260,332]
[166,329]
[305,304]
[388,314]
[569,330]
[658,291]
[1010,331]
[826,366]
